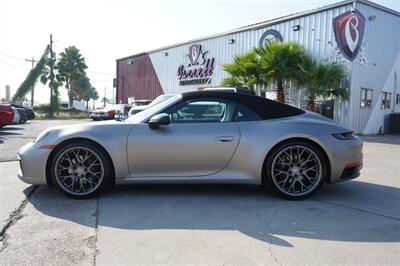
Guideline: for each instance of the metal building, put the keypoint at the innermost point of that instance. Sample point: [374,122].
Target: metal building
[360,34]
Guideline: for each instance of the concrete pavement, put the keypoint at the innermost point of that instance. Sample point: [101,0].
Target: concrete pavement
[14,137]
[355,222]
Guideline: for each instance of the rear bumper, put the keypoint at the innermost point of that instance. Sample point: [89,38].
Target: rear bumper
[346,159]
[351,172]
[7,120]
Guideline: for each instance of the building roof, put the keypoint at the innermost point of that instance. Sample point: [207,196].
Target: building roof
[267,23]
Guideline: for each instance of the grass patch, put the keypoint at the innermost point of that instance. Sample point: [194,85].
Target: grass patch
[61,116]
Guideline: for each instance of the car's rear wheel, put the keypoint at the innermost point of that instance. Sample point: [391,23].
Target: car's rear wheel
[81,169]
[295,170]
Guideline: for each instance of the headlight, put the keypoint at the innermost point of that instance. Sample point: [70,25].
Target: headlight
[42,135]
[345,135]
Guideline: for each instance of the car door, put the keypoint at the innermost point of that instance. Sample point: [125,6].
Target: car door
[200,140]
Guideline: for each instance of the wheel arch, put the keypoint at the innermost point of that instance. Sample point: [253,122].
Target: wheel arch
[71,140]
[310,141]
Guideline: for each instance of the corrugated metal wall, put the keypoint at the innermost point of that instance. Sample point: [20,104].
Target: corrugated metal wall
[380,47]
[316,34]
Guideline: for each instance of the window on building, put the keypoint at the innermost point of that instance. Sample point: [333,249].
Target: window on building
[386,99]
[398,99]
[366,98]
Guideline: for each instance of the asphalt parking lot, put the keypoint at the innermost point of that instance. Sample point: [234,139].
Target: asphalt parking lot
[356,222]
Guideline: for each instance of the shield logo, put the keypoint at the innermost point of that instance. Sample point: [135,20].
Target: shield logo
[349,33]
[194,53]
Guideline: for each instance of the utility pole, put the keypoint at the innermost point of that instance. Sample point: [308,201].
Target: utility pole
[33,61]
[51,76]
[105,96]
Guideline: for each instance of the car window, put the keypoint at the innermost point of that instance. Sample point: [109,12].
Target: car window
[201,111]
[243,113]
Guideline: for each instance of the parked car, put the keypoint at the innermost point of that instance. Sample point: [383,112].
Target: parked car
[106,113]
[6,115]
[123,112]
[198,137]
[22,115]
[139,108]
[30,114]
[138,105]
[17,117]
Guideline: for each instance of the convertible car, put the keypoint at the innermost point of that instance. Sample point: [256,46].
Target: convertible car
[197,137]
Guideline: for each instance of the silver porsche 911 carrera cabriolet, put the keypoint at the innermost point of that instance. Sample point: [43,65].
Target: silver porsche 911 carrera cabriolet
[197,137]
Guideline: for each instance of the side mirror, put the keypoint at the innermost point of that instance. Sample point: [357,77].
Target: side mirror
[159,120]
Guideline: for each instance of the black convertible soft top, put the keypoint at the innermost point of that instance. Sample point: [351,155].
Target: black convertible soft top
[265,108]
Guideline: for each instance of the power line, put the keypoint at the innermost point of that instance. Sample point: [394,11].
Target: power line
[100,73]
[11,65]
[107,80]
[12,56]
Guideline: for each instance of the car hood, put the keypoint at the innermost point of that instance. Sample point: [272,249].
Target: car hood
[101,129]
[85,127]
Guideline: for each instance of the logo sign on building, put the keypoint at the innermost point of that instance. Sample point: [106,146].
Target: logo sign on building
[349,33]
[200,68]
[270,35]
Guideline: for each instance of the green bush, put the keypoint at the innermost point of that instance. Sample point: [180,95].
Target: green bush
[42,108]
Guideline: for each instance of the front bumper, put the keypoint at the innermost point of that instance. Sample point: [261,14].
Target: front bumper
[33,164]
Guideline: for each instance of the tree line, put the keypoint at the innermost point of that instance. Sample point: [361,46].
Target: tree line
[281,63]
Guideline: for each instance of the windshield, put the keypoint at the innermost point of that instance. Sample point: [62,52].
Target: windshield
[153,109]
[160,98]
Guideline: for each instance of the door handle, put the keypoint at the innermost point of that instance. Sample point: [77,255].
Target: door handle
[225,138]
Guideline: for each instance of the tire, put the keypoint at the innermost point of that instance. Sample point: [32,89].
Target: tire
[81,170]
[292,176]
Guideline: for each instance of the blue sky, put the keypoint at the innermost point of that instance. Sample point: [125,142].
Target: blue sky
[107,30]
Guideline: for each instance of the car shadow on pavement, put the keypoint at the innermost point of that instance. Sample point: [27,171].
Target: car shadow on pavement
[353,211]
[9,133]
[11,128]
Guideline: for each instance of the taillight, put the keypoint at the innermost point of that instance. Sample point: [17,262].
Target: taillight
[345,135]
[111,113]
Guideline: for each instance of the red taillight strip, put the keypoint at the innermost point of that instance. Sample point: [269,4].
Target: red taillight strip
[353,164]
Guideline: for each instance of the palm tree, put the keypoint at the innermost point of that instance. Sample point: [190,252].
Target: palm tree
[280,62]
[321,80]
[90,94]
[71,66]
[54,81]
[84,90]
[244,72]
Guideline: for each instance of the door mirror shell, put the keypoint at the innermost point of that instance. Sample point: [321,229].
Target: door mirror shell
[156,121]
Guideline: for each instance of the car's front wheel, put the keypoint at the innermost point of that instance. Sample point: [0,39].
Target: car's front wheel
[81,169]
[295,170]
